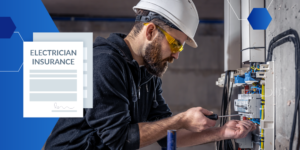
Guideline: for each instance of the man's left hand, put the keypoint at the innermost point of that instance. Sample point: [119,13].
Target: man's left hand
[236,129]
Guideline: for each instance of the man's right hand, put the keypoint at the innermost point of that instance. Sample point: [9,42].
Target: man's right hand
[235,129]
[195,120]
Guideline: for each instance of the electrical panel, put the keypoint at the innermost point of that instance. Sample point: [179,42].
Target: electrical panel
[255,102]
[245,61]
[248,66]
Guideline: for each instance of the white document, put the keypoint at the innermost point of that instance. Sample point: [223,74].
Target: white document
[87,39]
[53,79]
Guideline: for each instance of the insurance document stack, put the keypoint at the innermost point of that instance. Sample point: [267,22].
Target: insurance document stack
[53,79]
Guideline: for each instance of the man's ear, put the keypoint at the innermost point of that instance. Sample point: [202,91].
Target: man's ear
[150,31]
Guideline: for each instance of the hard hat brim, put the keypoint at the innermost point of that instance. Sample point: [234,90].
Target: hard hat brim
[191,42]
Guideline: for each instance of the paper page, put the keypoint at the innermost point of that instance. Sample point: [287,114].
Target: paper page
[53,79]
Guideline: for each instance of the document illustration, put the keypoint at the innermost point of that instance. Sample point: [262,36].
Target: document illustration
[53,79]
[87,39]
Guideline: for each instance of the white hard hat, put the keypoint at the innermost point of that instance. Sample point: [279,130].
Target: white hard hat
[182,13]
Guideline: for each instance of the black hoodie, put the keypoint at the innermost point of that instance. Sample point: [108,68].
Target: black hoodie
[124,94]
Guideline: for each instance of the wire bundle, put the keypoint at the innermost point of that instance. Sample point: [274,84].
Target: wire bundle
[275,42]
[227,90]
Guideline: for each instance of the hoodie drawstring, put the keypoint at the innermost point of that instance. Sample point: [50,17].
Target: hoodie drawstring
[155,103]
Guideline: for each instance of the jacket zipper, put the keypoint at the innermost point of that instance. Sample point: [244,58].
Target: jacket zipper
[139,92]
[147,88]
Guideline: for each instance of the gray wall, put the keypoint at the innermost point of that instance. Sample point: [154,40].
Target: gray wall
[190,80]
[286,15]
[207,9]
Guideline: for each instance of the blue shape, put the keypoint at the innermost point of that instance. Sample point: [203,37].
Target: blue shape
[248,77]
[171,137]
[239,79]
[259,18]
[17,132]
[255,120]
[7,27]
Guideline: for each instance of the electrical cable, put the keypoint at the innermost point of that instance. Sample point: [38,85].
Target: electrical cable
[281,35]
[228,143]
[220,144]
[280,42]
[275,42]
[252,48]
[227,90]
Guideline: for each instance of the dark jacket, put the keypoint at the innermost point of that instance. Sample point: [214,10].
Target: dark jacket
[124,95]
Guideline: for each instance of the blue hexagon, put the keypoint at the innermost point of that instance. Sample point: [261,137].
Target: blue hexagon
[7,27]
[259,18]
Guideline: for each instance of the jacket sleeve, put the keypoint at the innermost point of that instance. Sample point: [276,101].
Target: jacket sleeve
[110,115]
[161,111]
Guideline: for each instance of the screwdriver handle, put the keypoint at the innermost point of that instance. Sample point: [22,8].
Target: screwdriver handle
[212,117]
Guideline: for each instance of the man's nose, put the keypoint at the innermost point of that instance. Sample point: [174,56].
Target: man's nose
[175,55]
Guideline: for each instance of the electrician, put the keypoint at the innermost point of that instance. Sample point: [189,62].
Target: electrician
[129,111]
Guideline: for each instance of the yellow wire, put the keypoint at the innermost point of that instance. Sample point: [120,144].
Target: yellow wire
[263,102]
[254,68]
[262,140]
[262,113]
[263,92]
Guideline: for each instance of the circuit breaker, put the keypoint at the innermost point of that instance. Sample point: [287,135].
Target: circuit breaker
[248,105]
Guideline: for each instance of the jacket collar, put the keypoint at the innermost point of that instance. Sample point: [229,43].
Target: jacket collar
[118,43]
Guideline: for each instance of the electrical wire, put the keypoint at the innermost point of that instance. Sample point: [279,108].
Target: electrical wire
[252,48]
[220,144]
[226,97]
[275,42]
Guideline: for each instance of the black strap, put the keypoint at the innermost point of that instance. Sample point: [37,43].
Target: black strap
[153,15]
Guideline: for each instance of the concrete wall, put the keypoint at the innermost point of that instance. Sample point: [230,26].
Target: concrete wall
[189,81]
[286,15]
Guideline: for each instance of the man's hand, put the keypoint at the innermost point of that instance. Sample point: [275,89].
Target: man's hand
[236,129]
[194,119]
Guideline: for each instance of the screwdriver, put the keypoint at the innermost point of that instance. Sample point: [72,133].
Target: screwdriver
[216,117]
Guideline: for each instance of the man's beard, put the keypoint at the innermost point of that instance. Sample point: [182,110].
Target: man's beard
[153,58]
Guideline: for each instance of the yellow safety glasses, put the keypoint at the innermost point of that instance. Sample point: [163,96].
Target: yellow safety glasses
[174,45]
